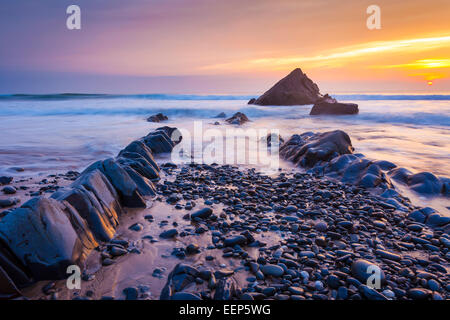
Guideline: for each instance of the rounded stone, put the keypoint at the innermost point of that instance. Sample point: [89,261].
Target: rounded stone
[363,269]
[272,270]
[9,190]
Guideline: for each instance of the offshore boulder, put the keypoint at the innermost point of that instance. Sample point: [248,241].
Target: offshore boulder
[334,108]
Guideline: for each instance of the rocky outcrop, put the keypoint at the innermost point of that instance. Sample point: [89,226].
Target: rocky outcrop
[40,234]
[423,182]
[238,118]
[297,89]
[157,118]
[309,148]
[331,154]
[39,240]
[334,108]
[294,89]
[221,115]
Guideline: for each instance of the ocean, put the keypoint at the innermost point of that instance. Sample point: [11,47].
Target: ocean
[54,133]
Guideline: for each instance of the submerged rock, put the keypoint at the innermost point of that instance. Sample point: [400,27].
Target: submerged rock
[221,115]
[238,118]
[335,108]
[307,149]
[5,180]
[159,142]
[9,190]
[157,118]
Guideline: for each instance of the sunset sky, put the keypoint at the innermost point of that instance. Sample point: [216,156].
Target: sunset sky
[205,46]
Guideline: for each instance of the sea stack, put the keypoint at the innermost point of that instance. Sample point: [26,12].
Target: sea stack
[294,89]
[297,89]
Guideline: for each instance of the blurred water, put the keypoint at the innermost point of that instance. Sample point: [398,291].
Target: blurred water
[56,133]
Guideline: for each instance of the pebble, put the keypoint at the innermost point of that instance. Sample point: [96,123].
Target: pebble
[169,234]
[272,270]
[433,285]
[116,251]
[418,293]
[318,285]
[9,190]
[136,227]
[131,293]
[321,226]
[236,240]
[202,213]
[4,203]
[5,180]
[360,268]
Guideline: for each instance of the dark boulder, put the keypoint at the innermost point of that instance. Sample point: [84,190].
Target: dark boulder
[202,213]
[236,240]
[159,142]
[445,186]
[238,118]
[335,108]
[308,149]
[399,174]
[96,201]
[157,118]
[273,137]
[226,289]
[172,133]
[294,89]
[121,181]
[144,186]
[363,269]
[421,215]
[139,164]
[41,236]
[140,148]
[5,180]
[13,273]
[221,115]
[8,290]
[425,183]
[179,278]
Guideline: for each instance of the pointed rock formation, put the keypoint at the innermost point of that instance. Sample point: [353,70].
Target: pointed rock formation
[238,118]
[294,89]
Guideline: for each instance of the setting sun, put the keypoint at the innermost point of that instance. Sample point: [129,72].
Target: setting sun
[430,83]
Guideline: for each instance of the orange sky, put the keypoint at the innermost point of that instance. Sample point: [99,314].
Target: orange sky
[328,39]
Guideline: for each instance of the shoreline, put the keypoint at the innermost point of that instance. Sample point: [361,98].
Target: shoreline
[328,239]
[332,249]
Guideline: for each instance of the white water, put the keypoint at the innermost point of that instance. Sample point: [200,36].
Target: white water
[58,134]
